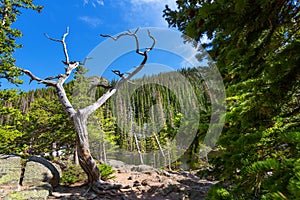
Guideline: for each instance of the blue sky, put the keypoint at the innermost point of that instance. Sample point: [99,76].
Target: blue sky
[86,20]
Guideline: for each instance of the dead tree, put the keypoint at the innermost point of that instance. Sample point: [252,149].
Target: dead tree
[80,116]
[54,181]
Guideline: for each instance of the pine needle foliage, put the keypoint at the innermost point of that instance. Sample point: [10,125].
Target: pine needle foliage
[256,47]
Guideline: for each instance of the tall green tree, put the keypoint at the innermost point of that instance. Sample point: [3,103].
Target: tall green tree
[256,47]
[9,11]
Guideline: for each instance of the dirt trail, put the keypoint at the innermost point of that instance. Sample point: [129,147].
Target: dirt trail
[137,182]
[144,185]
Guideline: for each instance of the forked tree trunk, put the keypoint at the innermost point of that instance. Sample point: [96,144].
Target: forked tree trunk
[86,161]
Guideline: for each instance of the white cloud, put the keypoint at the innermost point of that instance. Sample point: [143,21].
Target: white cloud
[91,21]
[171,3]
[100,2]
[94,3]
[147,12]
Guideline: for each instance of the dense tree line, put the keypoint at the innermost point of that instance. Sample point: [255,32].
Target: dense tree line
[129,121]
[33,123]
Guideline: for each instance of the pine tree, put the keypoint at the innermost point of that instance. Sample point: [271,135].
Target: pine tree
[256,47]
[9,11]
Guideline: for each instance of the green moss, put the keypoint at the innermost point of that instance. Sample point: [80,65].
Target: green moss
[27,194]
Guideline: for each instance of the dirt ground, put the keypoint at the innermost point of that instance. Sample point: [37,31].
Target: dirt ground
[148,183]
[137,185]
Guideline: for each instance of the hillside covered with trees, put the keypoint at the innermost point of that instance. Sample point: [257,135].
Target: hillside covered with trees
[38,124]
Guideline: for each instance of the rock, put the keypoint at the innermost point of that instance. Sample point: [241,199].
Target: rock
[136,184]
[160,179]
[127,187]
[33,193]
[133,176]
[167,174]
[123,198]
[144,168]
[144,182]
[116,163]
[141,188]
[169,181]
[93,196]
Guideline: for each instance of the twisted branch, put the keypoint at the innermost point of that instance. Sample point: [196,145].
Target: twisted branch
[138,51]
[124,78]
[70,65]
[99,85]
[39,80]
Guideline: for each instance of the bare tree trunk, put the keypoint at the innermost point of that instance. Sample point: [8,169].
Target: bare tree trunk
[138,148]
[158,143]
[76,161]
[86,161]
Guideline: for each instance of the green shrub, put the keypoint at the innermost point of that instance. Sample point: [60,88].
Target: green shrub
[217,193]
[72,174]
[106,172]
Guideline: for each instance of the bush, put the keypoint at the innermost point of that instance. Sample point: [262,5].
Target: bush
[106,172]
[72,174]
[217,193]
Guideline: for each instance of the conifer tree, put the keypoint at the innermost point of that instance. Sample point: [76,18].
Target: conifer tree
[256,47]
[9,11]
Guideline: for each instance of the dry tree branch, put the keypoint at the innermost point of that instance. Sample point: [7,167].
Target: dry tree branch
[138,51]
[39,80]
[61,77]
[124,78]
[129,33]
[85,60]
[99,85]
[62,41]
[120,35]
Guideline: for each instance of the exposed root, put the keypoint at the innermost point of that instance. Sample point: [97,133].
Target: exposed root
[102,188]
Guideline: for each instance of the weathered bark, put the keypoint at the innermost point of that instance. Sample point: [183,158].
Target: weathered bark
[76,161]
[85,158]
